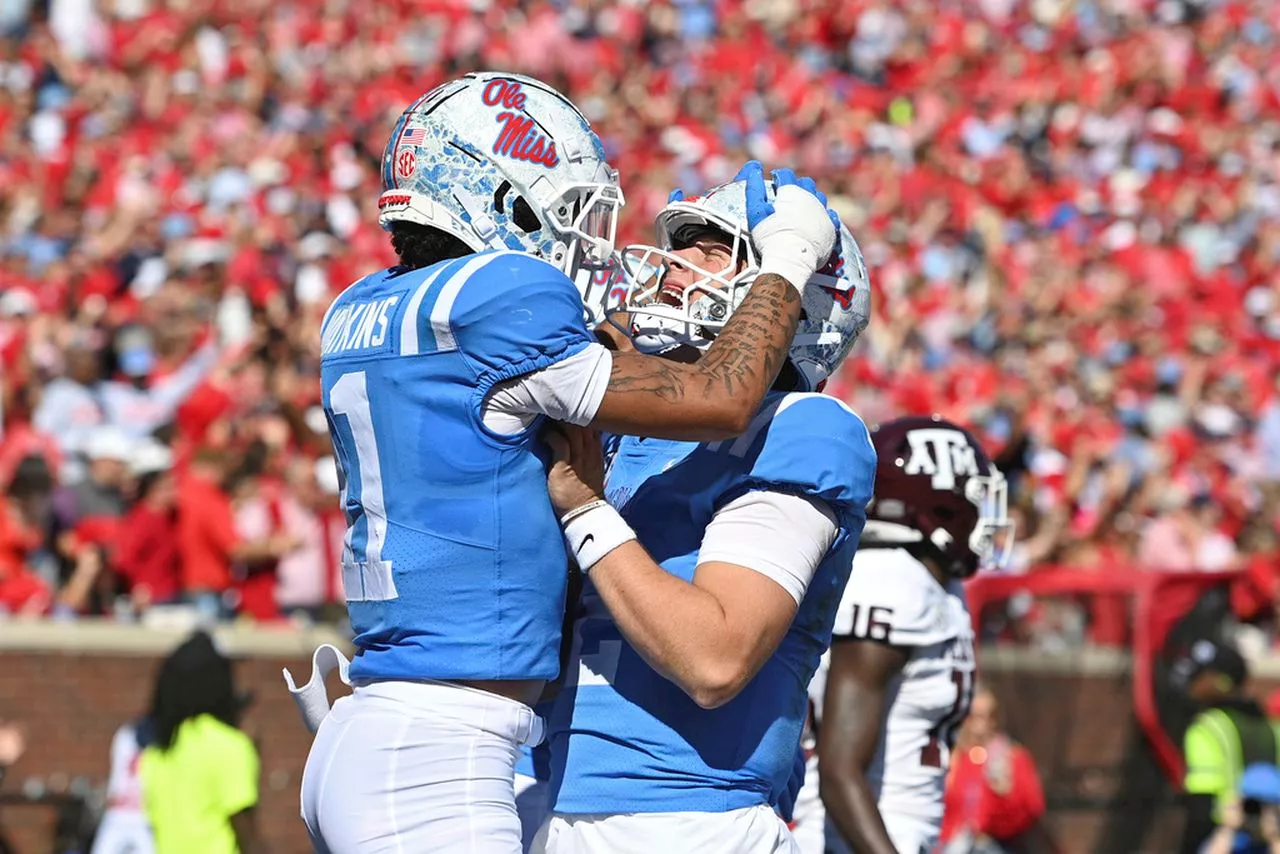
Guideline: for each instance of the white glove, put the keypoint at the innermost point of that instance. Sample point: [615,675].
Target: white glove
[797,238]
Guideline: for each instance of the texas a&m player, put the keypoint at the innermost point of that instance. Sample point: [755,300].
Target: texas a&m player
[901,667]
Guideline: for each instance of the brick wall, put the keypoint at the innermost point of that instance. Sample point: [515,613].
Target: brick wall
[1076,720]
[72,701]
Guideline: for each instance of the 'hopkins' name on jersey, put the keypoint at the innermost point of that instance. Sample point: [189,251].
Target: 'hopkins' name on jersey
[359,326]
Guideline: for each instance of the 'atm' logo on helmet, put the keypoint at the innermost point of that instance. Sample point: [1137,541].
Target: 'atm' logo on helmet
[943,455]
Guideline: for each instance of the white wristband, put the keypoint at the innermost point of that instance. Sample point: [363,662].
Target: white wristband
[591,535]
[793,260]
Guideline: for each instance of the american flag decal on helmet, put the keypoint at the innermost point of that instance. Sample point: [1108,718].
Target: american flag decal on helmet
[413,136]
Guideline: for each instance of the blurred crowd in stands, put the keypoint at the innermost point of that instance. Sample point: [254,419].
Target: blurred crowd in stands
[1070,210]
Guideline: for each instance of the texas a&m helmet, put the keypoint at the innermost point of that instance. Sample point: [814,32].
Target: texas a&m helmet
[938,491]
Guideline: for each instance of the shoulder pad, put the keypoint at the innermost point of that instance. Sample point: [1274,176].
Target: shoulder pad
[811,444]
[892,598]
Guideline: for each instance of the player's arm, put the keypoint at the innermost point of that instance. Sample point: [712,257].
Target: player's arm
[717,396]
[852,719]
[711,636]
[611,386]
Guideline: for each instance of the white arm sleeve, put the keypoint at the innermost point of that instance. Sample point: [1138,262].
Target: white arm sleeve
[570,390]
[779,535]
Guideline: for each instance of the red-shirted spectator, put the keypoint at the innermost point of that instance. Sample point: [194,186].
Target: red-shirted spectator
[259,515]
[993,789]
[27,501]
[1072,246]
[147,555]
[208,541]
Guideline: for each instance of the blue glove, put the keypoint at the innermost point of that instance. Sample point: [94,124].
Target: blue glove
[787,799]
[796,242]
[758,205]
[809,184]
[676,195]
[784,176]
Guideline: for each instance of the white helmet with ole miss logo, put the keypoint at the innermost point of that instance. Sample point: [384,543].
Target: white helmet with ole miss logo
[836,306]
[503,161]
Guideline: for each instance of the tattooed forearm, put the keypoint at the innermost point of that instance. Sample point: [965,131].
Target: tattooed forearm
[660,379]
[717,396]
[753,346]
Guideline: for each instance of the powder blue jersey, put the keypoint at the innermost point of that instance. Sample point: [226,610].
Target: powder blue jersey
[625,739]
[453,564]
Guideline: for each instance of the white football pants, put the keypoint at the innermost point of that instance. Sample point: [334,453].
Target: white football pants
[417,766]
[910,834]
[532,796]
[753,830]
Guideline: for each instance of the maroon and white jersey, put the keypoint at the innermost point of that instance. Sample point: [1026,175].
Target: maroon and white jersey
[892,598]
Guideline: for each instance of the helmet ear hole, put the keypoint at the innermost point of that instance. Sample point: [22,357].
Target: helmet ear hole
[523,216]
[500,194]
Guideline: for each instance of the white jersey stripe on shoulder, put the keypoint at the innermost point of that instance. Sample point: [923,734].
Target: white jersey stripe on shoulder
[443,306]
[409,323]
[744,442]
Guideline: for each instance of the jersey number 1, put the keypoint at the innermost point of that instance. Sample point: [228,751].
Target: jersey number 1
[365,575]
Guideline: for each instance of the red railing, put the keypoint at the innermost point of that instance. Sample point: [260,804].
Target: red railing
[1159,600]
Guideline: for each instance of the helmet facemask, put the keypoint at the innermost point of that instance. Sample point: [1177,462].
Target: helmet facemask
[938,526]
[665,315]
[584,219]
[993,534]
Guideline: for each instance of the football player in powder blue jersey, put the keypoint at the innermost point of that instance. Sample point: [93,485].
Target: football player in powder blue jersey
[714,569]
[436,376]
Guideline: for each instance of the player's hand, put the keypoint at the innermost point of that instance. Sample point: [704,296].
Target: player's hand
[577,468]
[612,332]
[794,233]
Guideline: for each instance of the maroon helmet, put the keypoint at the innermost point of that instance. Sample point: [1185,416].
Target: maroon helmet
[937,487]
